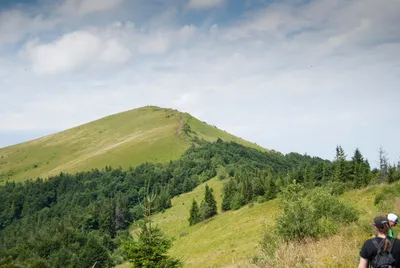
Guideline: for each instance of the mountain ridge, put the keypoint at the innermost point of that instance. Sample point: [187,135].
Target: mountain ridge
[128,138]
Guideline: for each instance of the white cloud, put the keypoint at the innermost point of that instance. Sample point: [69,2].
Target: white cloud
[15,25]
[115,52]
[84,7]
[204,4]
[74,51]
[291,77]
[154,44]
[188,30]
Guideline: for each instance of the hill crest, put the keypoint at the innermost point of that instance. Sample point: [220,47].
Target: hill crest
[145,134]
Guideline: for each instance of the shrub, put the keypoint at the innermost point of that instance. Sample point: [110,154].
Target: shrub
[269,242]
[329,206]
[327,227]
[221,173]
[314,214]
[260,199]
[298,220]
[384,198]
[337,187]
[237,201]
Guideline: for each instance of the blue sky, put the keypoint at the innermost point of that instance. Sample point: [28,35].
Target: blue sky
[290,75]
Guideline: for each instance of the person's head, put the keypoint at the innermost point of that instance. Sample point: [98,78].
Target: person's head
[393,219]
[381,225]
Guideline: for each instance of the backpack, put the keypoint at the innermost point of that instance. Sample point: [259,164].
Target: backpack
[383,259]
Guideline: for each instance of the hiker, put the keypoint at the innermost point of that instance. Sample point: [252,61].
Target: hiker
[380,251]
[393,220]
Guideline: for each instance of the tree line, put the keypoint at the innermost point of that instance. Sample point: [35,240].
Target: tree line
[248,183]
[74,220]
[69,219]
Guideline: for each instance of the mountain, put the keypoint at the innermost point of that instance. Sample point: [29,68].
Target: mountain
[147,134]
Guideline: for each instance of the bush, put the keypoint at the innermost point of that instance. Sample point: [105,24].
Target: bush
[237,201]
[337,187]
[329,206]
[385,197]
[221,173]
[298,220]
[314,214]
[327,227]
[261,199]
[269,242]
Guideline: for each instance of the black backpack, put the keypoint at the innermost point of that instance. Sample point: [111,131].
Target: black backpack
[383,259]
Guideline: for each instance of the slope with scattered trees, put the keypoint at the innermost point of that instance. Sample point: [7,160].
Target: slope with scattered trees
[73,211]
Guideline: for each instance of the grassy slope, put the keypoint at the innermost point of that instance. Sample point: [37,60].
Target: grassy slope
[231,238]
[126,139]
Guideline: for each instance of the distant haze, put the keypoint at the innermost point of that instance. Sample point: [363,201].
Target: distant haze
[300,76]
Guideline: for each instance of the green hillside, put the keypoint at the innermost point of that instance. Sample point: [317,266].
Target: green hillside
[147,134]
[232,238]
[229,238]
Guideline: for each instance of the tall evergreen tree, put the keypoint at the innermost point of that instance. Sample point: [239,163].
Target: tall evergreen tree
[151,246]
[209,198]
[341,172]
[229,190]
[208,206]
[358,167]
[270,188]
[194,216]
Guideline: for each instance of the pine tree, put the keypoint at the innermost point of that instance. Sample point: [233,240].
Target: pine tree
[95,254]
[229,191]
[195,216]
[341,172]
[208,206]
[270,188]
[151,246]
[209,198]
[358,164]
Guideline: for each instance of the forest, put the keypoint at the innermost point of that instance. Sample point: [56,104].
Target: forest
[76,220]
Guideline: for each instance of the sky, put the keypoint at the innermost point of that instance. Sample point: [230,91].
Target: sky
[293,75]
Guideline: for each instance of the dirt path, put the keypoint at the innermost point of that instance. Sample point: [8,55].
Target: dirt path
[180,125]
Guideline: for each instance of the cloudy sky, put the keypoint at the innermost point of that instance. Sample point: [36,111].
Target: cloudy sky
[291,75]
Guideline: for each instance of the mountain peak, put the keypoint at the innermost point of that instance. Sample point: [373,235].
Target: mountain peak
[145,134]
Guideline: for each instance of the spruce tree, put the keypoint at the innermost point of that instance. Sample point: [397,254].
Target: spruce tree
[208,206]
[270,188]
[210,200]
[357,163]
[342,171]
[150,248]
[195,216]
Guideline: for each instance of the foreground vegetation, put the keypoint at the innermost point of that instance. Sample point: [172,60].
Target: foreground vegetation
[249,236]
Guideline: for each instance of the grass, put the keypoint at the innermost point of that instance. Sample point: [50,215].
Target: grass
[147,134]
[340,250]
[231,239]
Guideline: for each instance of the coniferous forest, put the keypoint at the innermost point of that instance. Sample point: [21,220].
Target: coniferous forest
[77,220]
